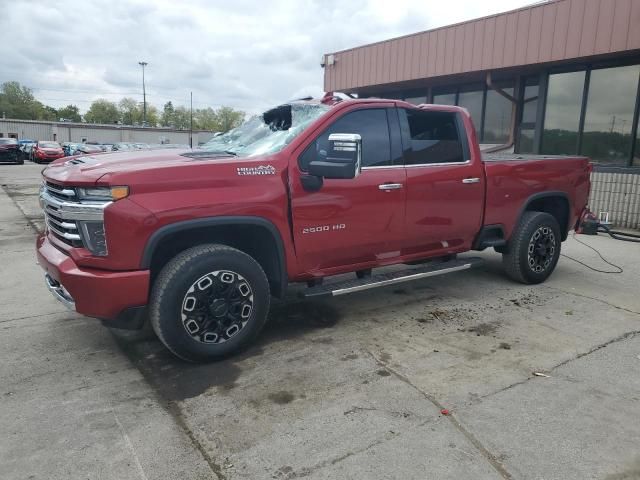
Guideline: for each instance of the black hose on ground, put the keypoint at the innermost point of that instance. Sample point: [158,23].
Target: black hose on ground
[625,237]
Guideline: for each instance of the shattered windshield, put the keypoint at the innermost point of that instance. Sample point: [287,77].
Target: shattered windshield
[267,133]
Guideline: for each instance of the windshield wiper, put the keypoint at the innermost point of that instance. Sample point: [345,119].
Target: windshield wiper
[231,153]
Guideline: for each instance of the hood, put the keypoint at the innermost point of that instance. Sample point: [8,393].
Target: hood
[138,166]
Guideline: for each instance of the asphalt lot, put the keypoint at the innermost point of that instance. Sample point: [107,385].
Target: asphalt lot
[347,388]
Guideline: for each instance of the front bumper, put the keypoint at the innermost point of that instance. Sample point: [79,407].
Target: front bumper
[96,293]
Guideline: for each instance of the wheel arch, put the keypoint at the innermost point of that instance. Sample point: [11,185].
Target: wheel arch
[556,204]
[255,236]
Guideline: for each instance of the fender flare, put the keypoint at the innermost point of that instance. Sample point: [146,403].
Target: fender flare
[538,196]
[156,238]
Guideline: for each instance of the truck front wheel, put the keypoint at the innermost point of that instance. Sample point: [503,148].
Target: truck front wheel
[534,248]
[208,302]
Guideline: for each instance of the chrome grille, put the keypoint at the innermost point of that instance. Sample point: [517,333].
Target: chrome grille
[63,193]
[63,211]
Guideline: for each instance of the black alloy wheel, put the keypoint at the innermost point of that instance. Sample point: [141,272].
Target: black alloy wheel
[217,306]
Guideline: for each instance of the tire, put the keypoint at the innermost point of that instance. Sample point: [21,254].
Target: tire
[534,248]
[230,282]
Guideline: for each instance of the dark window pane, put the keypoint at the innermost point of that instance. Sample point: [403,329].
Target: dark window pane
[607,135]
[526,140]
[416,100]
[636,155]
[562,117]
[445,99]
[530,109]
[434,138]
[497,117]
[372,126]
[472,101]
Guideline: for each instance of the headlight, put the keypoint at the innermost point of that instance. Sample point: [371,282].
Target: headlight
[108,194]
[93,237]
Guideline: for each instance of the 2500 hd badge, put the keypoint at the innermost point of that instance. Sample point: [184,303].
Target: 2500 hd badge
[324,228]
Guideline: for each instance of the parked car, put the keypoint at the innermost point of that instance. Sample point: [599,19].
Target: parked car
[303,192]
[25,149]
[122,146]
[10,151]
[46,151]
[87,149]
[68,148]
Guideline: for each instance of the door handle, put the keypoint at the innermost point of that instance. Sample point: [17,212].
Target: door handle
[471,180]
[389,186]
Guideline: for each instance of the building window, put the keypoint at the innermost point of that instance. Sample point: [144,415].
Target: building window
[562,116]
[472,101]
[528,122]
[497,117]
[416,100]
[636,155]
[444,99]
[607,137]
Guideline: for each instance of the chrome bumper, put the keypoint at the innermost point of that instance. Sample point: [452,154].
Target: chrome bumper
[59,292]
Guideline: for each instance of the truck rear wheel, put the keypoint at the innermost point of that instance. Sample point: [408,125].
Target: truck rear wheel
[208,302]
[534,248]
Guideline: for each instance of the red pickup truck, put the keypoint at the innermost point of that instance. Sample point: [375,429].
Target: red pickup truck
[198,241]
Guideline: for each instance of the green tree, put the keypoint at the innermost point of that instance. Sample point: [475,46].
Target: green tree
[129,111]
[168,115]
[228,118]
[205,119]
[153,117]
[181,118]
[70,112]
[102,111]
[17,101]
[45,112]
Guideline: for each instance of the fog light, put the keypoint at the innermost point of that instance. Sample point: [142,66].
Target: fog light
[93,237]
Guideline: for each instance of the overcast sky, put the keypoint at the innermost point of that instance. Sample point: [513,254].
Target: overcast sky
[247,54]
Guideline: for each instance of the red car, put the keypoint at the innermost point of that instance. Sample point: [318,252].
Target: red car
[45,152]
[199,241]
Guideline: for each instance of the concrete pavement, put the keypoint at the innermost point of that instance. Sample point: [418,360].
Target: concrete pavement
[347,388]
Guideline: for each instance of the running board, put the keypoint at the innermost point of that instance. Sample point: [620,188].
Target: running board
[382,280]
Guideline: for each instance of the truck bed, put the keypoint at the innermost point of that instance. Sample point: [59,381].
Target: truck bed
[515,179]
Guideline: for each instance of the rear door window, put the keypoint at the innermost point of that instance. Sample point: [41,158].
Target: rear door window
[373,127]
[434,137]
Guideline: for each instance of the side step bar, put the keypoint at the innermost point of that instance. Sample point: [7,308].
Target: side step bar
[382,280]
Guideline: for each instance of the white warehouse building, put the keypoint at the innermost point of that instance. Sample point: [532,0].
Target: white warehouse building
[101,133]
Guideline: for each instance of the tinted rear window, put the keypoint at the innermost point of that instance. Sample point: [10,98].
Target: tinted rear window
[435,138]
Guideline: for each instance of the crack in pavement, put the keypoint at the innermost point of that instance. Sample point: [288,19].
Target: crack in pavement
[28,218]
[390,435]
[173,409]
[593,298]
[619,338]
[490,457]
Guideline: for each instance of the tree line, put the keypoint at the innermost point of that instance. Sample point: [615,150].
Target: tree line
[18,102]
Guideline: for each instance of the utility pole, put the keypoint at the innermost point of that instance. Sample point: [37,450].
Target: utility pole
[144,95]
[191,124]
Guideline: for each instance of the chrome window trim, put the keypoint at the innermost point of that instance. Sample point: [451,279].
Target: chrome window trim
[441,164]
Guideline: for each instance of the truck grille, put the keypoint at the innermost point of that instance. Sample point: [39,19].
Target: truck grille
[63,193]
[63,213]
[64,230]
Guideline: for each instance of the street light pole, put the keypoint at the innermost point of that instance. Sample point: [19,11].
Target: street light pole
[144,95]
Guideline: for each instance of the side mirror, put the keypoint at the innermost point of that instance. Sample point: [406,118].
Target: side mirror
[343,158]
